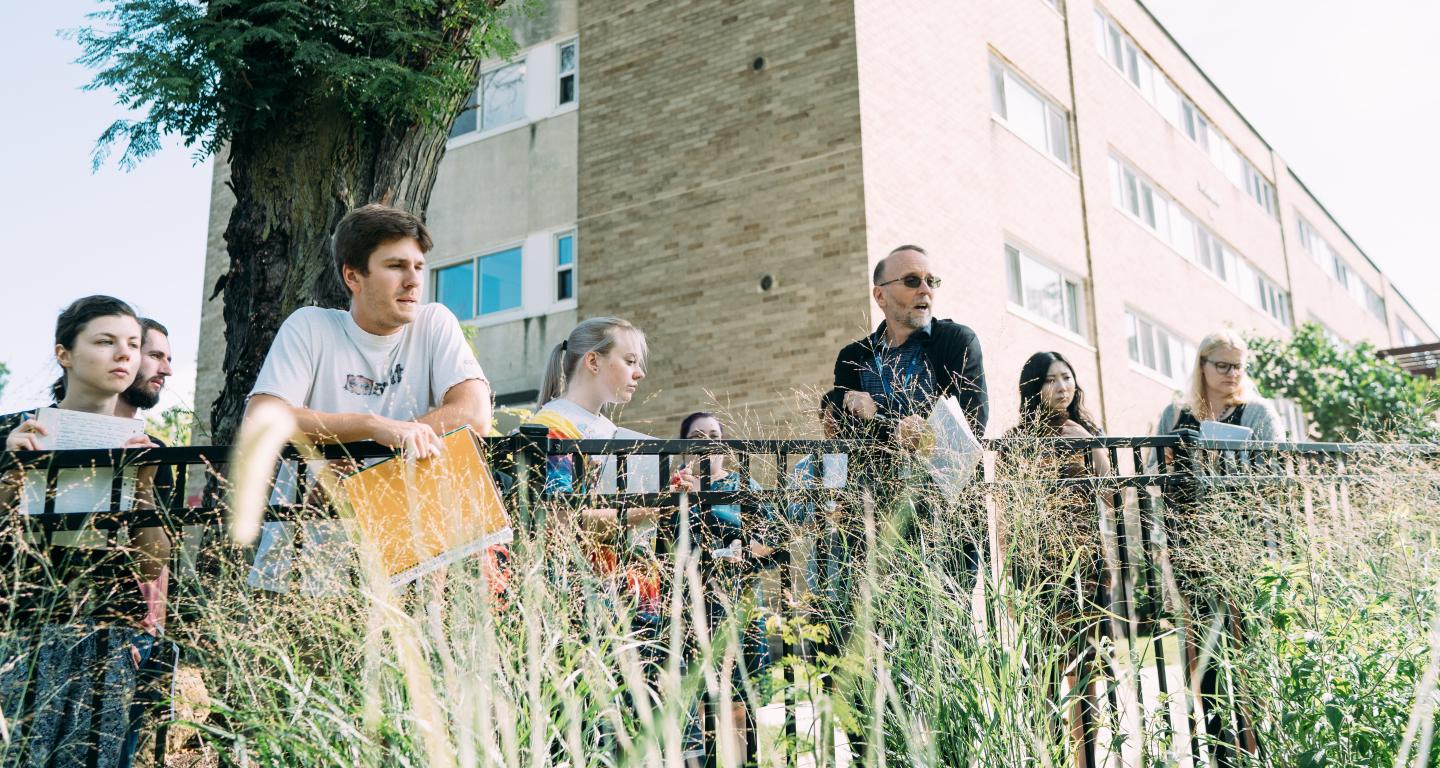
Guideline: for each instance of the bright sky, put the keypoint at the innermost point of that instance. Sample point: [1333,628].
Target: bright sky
[1349,94]
[137,235]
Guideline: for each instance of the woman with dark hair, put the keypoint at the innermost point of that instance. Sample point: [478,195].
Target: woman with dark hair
[728,580]
[81,675]
[1052,405]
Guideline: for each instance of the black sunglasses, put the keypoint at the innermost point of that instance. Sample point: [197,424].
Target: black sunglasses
[913,281]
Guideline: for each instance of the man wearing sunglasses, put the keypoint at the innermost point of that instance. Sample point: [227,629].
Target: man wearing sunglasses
[891,379]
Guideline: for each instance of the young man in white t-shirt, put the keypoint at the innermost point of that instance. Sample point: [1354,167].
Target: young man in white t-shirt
[389,369]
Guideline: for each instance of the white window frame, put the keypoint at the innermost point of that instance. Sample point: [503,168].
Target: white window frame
[1159,341]
[573,268]
[559,75]
[1074,298]
[1339,270]
[1002,75]
[1408,338]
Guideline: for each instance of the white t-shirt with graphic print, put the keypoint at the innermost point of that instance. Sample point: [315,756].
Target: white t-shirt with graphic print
[323,361]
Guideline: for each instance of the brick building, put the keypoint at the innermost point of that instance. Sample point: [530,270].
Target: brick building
[727,174]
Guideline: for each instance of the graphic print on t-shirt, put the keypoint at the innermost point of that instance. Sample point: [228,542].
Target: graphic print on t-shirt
[356,384]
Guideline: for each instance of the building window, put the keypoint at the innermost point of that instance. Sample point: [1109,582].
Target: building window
[498,101]
[502,96]
[1125,56]
[1150,206]
[1043,124]
[565,267]
[1407,336]
[455,288]
[1052,296]
[480,286]
[1157,349]
[569,62]
[1333,264]
[499,278]
[465,122]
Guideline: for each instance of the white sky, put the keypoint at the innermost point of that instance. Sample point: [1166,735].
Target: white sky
[137,235]
[1348,93]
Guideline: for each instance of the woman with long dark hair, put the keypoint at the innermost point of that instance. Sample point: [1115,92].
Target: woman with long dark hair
[1052,405]
[67,684]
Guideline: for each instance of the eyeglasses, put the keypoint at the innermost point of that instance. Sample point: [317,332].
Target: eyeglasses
[1225,368]
[913,281]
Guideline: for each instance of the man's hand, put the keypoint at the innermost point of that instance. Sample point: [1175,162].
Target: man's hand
[913,432]
[860,405]
[410,437]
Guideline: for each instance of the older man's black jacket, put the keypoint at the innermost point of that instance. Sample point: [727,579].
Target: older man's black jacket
[953,352]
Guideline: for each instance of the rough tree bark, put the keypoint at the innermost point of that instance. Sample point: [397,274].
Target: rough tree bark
[291,188]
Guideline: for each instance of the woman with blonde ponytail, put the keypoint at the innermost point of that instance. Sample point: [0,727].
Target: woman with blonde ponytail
[599,365]
[1221,390]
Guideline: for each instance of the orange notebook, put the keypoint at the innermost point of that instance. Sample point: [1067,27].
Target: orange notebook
[447,509]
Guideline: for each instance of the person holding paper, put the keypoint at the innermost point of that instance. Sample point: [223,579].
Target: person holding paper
[1052,405]
[1221,391]
[94,659]
[890,379]
[388,369]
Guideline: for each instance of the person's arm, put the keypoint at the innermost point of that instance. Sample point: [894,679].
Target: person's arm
[857,406]
[1268,425]
[415,437]
[974,398]
[466,403]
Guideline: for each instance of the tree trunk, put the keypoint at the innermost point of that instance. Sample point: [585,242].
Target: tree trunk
[291,188]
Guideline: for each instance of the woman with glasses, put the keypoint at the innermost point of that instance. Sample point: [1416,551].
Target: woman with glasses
[1220,391]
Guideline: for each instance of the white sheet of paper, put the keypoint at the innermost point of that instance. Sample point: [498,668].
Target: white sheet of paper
[1219,430]
[70,430]
[642,472]
[81,490]
[957,453]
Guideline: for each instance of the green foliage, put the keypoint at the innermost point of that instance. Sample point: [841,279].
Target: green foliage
[1346,663]
[175,425]
[212,71]
[4,377]
[1347,392]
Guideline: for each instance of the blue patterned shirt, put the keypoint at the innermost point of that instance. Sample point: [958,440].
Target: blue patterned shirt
[899,378]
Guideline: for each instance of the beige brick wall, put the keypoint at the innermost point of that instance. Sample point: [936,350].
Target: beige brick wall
[699,176]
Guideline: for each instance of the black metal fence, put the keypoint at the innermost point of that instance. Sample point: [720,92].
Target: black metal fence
[1151,481]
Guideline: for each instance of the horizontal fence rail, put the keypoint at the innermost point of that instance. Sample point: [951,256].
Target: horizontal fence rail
[1149,481]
